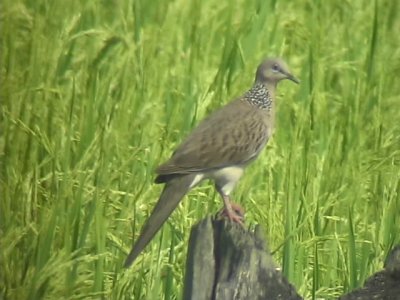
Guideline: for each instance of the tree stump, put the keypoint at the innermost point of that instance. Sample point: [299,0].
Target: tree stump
[225,262]
[383,285]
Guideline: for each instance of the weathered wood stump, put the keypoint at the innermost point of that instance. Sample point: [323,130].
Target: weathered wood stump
[226,262]
[383,285]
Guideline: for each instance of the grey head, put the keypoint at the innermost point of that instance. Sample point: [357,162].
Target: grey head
[273,70]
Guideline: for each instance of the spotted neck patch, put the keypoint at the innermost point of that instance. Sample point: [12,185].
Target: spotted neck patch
[259,96]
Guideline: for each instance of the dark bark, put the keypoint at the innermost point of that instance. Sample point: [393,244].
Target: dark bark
[383,285]
[226,262]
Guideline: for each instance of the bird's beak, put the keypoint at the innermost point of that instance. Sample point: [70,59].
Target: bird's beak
[292,78]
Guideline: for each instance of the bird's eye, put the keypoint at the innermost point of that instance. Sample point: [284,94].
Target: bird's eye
[275,68]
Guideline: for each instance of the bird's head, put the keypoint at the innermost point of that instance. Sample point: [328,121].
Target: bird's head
[273,70]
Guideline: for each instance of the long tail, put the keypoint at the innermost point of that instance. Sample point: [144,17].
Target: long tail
[172,194]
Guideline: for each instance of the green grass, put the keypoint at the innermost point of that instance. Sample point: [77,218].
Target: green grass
[95,94]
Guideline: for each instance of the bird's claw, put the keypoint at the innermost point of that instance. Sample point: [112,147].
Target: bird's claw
[236,214]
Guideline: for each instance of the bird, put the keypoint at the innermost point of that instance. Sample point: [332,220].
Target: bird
[219,149]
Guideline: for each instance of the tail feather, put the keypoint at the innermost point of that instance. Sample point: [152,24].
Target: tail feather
[172,194]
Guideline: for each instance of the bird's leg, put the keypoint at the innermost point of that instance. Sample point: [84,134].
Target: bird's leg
[233,211]
[238,209]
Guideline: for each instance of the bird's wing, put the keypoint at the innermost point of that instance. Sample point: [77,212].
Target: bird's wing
[233,135]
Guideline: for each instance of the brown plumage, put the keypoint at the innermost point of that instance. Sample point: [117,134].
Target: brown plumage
[219,149]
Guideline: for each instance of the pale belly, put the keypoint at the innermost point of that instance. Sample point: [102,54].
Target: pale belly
[225,178]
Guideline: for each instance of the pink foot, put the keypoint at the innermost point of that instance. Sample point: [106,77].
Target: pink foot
[235,215]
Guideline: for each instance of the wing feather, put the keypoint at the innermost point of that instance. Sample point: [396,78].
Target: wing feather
[233,135]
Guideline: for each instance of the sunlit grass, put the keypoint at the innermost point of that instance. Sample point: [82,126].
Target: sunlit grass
[94,95]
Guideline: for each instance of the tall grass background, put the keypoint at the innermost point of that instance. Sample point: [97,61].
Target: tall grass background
[95,94]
